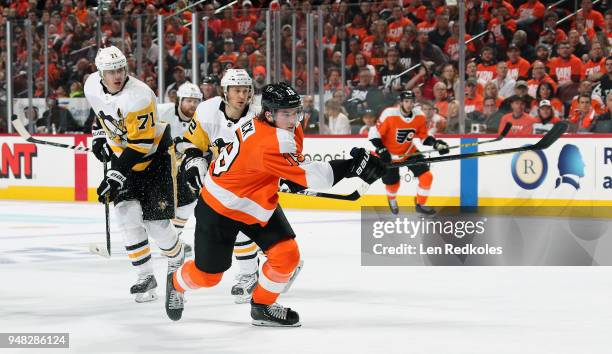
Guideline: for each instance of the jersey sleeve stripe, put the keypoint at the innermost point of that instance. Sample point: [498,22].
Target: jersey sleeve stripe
[140,141]
[319,175]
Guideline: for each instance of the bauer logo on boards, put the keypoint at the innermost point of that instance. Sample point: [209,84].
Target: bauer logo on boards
[17,160]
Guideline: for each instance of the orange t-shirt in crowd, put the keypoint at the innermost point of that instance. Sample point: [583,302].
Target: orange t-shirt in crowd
[562,70]
[596,103]
[495,27]
[532,85]
[585,121]
[442,108]
[359,32]
[245,23]
[536,10]
[451,47]
[522,125]
[426,26]
[227,58]
[473,104]
[367,43]
[396,29]
[518,69]
[591,67]
[594,18]
[487,15]
[486,73]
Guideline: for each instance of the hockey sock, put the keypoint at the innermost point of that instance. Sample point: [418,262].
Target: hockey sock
[188,276]
[392,190]
[140,255]
[425,181]
[182,216]
[283,258]
[245,252]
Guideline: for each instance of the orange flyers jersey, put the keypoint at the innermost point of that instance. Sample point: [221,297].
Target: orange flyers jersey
[397,132]
[242,183]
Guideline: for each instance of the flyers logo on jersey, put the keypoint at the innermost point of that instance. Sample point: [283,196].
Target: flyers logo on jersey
[404,135]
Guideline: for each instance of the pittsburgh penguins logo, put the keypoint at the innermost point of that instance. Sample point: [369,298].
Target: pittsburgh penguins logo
[404,135]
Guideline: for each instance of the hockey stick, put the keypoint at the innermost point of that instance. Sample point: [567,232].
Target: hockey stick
[96,248]
[23,132]
[502,135]
[547,140]
[352,196]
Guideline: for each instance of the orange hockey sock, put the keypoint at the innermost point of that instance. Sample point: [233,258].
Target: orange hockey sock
[392,190]
[188,276]
[283,258]
[425,181]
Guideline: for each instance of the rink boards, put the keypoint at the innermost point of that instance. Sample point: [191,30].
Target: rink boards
[38,172]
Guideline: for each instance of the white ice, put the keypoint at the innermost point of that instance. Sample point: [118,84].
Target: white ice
[49,282]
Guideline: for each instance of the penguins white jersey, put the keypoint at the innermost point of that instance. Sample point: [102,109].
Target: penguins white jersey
[127,119]
[210,123]
[167,113]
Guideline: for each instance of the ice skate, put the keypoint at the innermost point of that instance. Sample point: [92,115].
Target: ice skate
[175,300]
[274,315]
[144,289]
[393,206]
[243,290]
[424,209]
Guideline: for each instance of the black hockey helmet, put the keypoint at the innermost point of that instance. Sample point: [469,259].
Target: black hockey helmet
[408,94]
[278,96]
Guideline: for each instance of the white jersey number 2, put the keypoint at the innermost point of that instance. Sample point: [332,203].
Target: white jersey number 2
[227,155]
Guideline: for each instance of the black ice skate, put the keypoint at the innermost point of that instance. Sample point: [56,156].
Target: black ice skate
[175,301]
[424,209]
[243,290]
[274,315]
[393,206]
[144,289]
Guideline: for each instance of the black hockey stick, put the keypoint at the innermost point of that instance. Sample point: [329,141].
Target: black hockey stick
[96,248]
[547,140]
[502,135]
[23,132]
[352,196]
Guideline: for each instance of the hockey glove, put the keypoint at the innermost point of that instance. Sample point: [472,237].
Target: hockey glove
[437,144]
[195,167]
[286,185]
[383,154]
[111,185]
[101,150]
[365,166]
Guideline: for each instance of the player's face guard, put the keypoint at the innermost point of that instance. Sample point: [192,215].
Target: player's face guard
[287,118]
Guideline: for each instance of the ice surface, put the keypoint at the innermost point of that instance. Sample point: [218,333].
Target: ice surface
[51,283]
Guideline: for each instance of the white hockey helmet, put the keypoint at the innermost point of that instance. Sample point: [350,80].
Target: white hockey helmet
[189,90]
[236,77]
[110,58]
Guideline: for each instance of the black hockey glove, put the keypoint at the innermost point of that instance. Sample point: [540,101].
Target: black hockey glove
[195,167]
[381,150]
[111,185]
[101,150]
[286,185]
[365,166]
[437,144]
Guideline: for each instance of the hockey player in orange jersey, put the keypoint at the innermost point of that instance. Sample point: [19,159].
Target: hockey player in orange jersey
[240,193]
[393,140]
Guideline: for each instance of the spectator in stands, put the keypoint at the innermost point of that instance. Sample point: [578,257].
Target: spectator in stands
[209,87]
[522,123]
[527,50]
[489,117]
[584,114]
[502,25]
[429,51]
[546,92]
[408,50]
[338,123]
[228,56]
[442,32]
[577,44]
[545,113]
[364,95]
[566,68]
[179,78]
[474,23]
[368,117]
[425,79]
[490,90]
[603,122]
[586,88]
[543,53]
[436,123]
[390,71]
[452,118]
[259,78]
[172,46]
[76,89]
[451,47]
[595,67]
[151,82]
[503,82]
[56,119]
[310,123]
[539,75]
[593,17]
[473,101]
[440,98]
[604,85]
[518,68]
[486,70]
[450,79]
[39,87]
